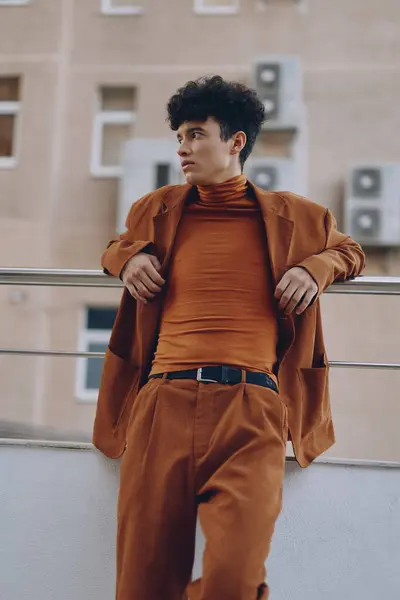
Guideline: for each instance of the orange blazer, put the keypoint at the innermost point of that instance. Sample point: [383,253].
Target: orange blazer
[299,233]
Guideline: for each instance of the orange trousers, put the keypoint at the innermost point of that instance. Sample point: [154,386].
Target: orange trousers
[206,450]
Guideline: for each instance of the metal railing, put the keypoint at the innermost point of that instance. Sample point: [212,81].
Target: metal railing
[387,286]
[382,286]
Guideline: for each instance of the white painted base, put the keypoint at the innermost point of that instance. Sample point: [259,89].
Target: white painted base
[338,535]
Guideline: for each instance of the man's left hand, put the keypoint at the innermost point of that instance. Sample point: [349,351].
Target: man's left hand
[295,290]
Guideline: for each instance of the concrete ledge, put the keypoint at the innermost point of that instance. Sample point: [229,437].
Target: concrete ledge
[89,446]
[337,537]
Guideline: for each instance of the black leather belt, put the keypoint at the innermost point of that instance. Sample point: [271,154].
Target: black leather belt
[222,374]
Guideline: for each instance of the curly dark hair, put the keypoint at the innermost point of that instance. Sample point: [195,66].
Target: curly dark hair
[233,105]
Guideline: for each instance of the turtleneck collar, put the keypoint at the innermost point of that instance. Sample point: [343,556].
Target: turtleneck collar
[232,189]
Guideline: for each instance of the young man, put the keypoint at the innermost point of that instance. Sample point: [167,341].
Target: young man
[216,357]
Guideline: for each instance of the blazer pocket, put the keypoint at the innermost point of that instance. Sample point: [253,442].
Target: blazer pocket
[314,384]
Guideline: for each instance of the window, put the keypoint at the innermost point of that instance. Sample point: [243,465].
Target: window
[9,110]
[121,7]
[94,337]
[216,7]
[112,128]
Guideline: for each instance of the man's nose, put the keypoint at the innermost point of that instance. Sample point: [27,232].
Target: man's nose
[183,150]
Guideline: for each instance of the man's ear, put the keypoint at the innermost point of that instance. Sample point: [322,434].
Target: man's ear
[239,142]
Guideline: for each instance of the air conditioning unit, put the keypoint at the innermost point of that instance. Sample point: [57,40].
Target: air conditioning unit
[372,204]
[147,164]
[271,173]
[278,82]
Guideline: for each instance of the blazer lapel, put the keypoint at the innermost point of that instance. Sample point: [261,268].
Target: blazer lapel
[279,232]
[165,227]
[166,222]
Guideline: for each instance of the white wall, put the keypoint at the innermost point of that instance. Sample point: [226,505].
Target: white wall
[338,536]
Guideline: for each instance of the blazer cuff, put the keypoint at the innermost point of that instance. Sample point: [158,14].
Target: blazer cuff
[145,247]
[316,267]
[115,258]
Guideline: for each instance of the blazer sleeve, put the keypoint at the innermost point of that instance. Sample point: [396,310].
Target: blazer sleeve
[341,259]
[136,238]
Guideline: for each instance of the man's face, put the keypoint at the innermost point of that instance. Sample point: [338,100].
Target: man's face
[206,159]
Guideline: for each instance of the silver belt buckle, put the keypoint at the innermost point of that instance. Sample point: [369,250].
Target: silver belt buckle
[200,378]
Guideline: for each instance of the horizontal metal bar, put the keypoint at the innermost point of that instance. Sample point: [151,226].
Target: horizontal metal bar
[20,352]
[95,278]
[72,354]
[364,365]
[371,286]
[58,278]
[46,444]
[352,462]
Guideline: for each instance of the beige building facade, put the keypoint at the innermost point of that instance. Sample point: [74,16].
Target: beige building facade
[79,79]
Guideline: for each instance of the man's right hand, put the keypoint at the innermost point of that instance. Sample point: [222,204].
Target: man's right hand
[140,276]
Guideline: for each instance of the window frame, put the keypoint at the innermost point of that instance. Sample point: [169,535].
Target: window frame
[201,9]
[102,118]
[107,8]
[86,337]
[13,109]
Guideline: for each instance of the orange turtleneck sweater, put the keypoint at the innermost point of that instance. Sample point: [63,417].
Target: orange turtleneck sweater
[219,306]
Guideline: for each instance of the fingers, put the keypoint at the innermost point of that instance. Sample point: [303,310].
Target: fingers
[149,283]
[133,291]
[282,287]
[146,282]
[142,278]
[295,290]
[305,302]
[156,263]
[292,295]
[143,292]
[290,298]
[151,271]
[139,292]
[296,298]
